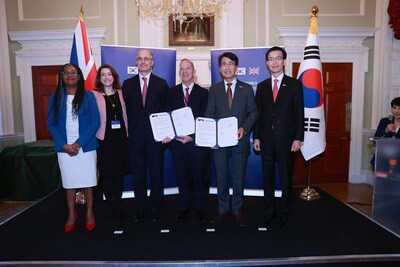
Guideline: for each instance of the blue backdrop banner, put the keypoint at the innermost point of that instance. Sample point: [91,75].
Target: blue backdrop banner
[252,68]
[122,58]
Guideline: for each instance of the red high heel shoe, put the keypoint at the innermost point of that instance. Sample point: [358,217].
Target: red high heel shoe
[69,227]
[90,226]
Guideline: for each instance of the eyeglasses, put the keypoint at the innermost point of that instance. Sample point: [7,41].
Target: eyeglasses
[144,58]
[270,59]
[230,64]
[73,73]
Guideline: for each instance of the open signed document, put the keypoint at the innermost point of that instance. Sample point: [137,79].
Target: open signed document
[216,133]
[172,124]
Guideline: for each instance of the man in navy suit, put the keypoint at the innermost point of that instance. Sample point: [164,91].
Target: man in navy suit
[189,160]
[278,132]
[229,98]
[144,94]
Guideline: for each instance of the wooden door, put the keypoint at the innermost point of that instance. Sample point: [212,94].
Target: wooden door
[44,80]
[333,164]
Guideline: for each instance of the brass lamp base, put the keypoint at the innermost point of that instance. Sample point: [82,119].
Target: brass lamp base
[309,194]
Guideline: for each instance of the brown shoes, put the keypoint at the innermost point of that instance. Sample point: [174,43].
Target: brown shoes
[219,218]
[240,220]
[284,221]
[223,216]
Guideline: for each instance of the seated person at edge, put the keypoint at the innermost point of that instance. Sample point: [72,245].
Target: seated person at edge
[388,127]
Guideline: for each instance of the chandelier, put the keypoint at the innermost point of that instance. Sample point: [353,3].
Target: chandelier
[180,10]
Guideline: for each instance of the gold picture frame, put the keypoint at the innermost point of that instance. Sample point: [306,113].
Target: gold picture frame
[194,31]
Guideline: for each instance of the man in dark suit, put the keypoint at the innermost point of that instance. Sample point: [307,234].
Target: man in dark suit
[189,160]
[278,132]
[144,94]
[228,98]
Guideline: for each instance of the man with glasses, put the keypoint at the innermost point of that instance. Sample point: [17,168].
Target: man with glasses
[144,94]
[278,132]
[232,98]
[190,160]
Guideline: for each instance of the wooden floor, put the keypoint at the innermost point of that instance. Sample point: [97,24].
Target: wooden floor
[359,196]
[9,209]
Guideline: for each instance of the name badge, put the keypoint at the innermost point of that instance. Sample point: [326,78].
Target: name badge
[115,124]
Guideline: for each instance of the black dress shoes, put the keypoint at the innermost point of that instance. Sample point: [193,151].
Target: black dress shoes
[266,221]
[240,220]
[284,222]
[219,218]
[154,216]
[200,216]
[138,217]
[181,215]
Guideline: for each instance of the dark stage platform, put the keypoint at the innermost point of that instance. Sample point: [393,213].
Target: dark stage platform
[324,232]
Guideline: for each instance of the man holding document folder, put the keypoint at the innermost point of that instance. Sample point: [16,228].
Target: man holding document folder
[189,160]
[145,93]
[231,98]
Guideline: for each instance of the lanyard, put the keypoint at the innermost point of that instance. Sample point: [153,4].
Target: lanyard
[112,103]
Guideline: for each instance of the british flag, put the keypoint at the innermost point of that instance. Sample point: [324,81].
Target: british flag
[81,54]
[254,71]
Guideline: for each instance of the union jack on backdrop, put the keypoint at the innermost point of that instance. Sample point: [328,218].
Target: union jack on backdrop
[254,71]
[310,74]
[81,55]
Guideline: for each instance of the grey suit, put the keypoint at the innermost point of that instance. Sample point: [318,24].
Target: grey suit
[245,109]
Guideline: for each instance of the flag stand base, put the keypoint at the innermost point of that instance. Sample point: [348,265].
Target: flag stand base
[80,197]
[309,194]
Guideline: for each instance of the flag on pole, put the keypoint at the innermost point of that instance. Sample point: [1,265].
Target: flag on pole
[81,53]
[310,74]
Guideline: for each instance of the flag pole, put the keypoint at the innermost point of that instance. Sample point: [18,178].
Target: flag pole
[309,193]
[80,195]
[80,15]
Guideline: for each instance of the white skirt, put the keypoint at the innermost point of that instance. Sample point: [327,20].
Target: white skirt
[78,171]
